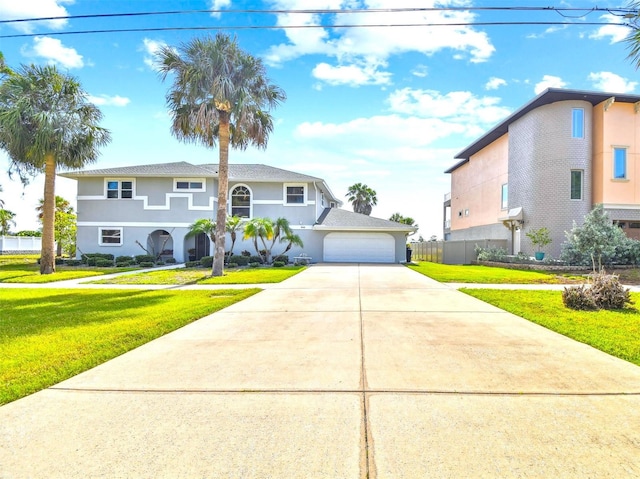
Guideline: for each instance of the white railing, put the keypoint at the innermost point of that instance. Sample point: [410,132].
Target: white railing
[20,243]
[447,196]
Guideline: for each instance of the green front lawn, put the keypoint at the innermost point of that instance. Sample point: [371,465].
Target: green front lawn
[447,273]
[203,276]
[614,332]
[48,335]
[25,269]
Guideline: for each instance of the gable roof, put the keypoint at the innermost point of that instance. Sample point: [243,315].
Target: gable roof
[550,95]
[336,219]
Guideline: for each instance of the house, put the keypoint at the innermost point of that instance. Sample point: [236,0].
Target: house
[547,165]
[125,211]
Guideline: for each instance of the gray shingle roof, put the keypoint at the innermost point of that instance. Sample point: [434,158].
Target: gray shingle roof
[237,172]
[339,219]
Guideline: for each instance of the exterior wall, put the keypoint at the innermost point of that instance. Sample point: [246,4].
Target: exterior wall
[619,126]
[476,188]
[541,157]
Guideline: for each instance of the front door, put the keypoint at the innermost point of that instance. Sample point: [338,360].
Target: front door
[202,246]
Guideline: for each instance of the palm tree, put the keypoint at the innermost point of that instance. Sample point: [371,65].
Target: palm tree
[405,220]
[259,229]
[203,226]
[219,94]
[6,220]
[47,122]
[633,39]
[233,226]
[284,234]
[362,198]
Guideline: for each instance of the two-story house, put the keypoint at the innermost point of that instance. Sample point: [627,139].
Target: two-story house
[127,210]
[547,165]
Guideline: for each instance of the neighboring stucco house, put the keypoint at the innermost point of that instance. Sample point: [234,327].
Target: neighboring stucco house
[547,165]
[122,210]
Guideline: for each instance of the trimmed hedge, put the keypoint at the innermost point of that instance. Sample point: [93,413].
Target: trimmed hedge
[283,258]
[206,261]
[145,258]
[240,260]
[278,264]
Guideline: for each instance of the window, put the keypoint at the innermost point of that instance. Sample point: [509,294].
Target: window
[576,184]
[619,163]
[577,123]
[188,184]
[119,189]
[241,202]
[295,195]
[504,204]
[110,236]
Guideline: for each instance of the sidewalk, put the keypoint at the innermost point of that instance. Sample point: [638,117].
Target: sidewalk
[342,371]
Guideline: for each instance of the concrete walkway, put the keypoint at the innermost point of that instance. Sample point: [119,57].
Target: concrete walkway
[343,371]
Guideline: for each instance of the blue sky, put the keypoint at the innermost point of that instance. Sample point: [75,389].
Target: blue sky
[386,106]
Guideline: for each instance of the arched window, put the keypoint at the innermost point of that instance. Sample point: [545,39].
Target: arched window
[241,202]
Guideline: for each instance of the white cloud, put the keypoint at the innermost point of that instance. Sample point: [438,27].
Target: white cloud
[421,71]
[610,82]
[219,5]
[150,48]
[54,52]
[21,9]
[107,100]
[549,81]
[353,45]
[614,32]
[353,75]
[494,83]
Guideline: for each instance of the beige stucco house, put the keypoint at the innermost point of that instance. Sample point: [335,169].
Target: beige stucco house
[547,165]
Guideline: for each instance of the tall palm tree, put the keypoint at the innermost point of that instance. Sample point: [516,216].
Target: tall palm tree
[46,123]
[362,198]
[221,94]
[405,220]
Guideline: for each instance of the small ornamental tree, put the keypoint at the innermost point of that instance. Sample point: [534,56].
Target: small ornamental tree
[540,237]
[598,237]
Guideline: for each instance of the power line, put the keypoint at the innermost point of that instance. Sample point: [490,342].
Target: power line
[619,12]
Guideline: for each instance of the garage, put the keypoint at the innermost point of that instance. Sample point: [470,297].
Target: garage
[359,248]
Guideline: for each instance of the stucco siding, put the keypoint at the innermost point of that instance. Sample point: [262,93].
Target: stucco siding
[542,154]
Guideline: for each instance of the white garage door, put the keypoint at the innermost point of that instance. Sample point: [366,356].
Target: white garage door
[359,248]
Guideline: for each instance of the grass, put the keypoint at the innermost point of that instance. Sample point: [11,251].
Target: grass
[615,332]
[447,273]
[48,335]
[25,269]
[203,276]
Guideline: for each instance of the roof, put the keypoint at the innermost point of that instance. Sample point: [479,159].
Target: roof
[339,219]
[237,172]
[550,95]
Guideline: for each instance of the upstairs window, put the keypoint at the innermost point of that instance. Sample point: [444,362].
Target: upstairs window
[295,195]
[619,163]
[577,123]
[241,202]
[118,189]
[504,204]
[189,184]
[576,184]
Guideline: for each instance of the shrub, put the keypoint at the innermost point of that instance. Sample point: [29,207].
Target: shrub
[232,265]
[239,260]
[282,258]
[246,253]
[146,264]
[122,259]
[255,259]
[192,264]
[103,263]
[171,261]
[124,264]
[254,265]
[492,253]
[278,264]
[605,292]
[90,258]
[73,262]
[145,258]
[206,261]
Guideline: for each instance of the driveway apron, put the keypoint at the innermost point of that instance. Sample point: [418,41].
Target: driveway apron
[343,371]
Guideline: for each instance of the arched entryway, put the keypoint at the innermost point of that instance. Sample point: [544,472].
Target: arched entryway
[160,244]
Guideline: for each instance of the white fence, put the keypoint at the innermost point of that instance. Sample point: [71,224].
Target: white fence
[20,244]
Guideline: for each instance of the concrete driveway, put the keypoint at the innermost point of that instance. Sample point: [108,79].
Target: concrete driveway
[343,371]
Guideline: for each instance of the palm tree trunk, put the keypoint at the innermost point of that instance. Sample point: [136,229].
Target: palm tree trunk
[47,254]
[223,186]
